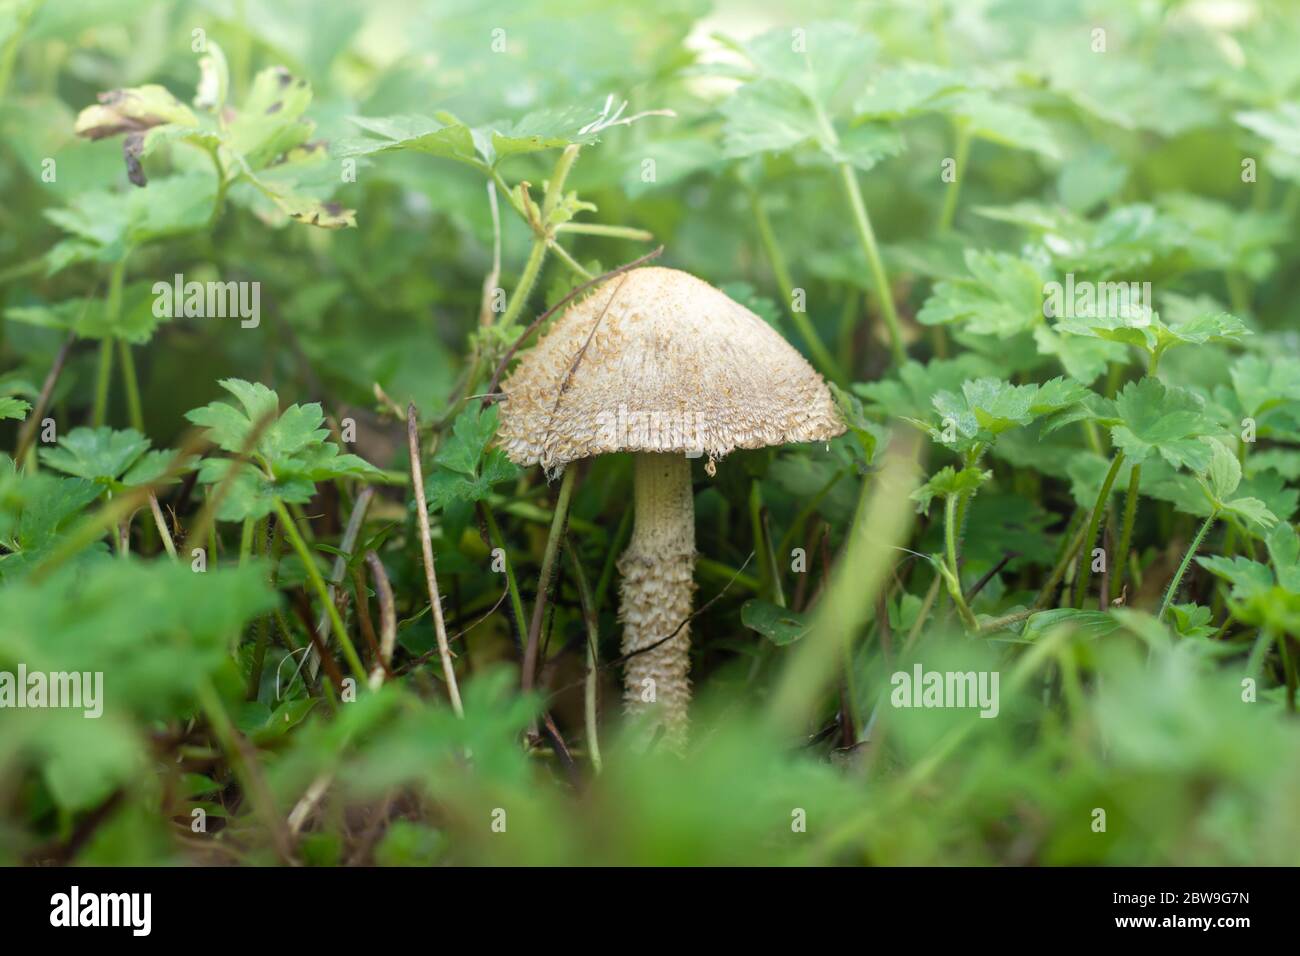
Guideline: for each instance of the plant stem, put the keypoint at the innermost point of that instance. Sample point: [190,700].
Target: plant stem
[100,409]
[135,411]
[600,229]
[953,577]
[430,574]
[825,362]
[591,684]
[525,286]
[112,311]
[1126,532]
[1094,525]
[512,584]
[558,518]
[318,584]
[867,237]
[1182,568]
[161,523]
[963,141]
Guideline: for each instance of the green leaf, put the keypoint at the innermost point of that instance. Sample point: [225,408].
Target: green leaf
[1264,383]
[1168,421]
[948,481]
[1003,297]
[778,624]
[465,469]
[97,454]
[1093,624]
[11,407]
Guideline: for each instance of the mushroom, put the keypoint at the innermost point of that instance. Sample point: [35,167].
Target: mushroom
[661,364]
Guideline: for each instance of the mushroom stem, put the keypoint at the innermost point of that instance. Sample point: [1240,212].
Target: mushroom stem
[658,582]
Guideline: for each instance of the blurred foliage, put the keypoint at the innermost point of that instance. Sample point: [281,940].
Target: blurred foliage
[370,164]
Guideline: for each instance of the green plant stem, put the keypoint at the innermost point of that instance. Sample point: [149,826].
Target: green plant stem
[512,583]
[246,540]
[274,544]
[963,143]
[867,236]
[322,592]
[600,229]
[112,311]
[953,578]
[1126,532]
[823,359]
[525,285]
[1182,568]
[1094,525]
[544,577]
[591,705]
[135,411]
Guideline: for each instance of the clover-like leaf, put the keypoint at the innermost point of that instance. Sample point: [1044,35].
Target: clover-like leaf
[465,468]
[11,407]
[1164,420]
[1003,296]
[97,454]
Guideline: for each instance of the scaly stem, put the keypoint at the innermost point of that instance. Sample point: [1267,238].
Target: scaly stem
[867,237]
[558,519]
[1182,568]
[657,588]
[1094,524]
[823,359]
[322,592]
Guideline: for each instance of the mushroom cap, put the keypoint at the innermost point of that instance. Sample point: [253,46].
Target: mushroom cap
[656,360]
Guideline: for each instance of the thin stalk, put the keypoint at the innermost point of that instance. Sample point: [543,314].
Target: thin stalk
[387,619]
[246,540]
[161,522]
[1182,568]
[621,537]
[1126,532]
[591,706]
[953,577]
[430,575]
[322,592]
[963,141]
[825,362]
[99,411]
[525,285]
[112,311]
[867,236]
[1094,525]
[264,537]
[544,578]
[600,229]
[1074,532]
[512,583]
[135,411]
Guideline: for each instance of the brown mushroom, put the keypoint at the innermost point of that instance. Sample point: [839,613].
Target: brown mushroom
[661,364]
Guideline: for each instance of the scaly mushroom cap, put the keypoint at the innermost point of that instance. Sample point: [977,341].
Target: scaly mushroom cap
[673,365]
